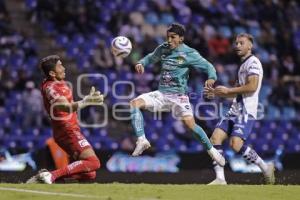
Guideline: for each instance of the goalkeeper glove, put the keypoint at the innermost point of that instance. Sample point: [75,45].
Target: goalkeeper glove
[94,98]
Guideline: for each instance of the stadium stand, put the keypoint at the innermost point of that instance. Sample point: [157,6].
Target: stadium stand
[84,29]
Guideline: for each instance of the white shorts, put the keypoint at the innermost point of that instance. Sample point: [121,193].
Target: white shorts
[178,104]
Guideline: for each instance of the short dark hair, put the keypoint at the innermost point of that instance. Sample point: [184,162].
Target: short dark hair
[177,28]
[246,35]
[48,63]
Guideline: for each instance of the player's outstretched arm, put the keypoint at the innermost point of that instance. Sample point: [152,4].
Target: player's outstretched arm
[249,87]
[139,68]
[209,93]
[152,57]
[94,98]
[209,83]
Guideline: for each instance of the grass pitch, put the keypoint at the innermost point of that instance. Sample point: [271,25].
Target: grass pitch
[117,191]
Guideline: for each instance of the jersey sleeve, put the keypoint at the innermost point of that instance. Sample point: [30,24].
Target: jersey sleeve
[200,63]
[52,93]
[253,68]
[152,57]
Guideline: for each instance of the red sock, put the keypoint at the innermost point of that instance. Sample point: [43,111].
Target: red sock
[84,176]
[81,166]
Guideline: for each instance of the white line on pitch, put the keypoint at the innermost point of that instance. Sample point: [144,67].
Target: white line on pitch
[51,193]
[64,194]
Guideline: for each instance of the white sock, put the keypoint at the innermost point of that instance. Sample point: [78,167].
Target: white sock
[251,156]
[219,172]
[142,137]
[261,164]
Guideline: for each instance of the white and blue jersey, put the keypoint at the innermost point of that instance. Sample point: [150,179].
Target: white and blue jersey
[241,117]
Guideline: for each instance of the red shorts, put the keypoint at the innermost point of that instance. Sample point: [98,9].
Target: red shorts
[72,142]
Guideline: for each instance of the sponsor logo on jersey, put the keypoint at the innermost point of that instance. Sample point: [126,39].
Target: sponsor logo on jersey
[239,131]
[166,77]
[239,126]
[187,107]
[83,143]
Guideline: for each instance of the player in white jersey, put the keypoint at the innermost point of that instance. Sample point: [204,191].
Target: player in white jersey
[238,122]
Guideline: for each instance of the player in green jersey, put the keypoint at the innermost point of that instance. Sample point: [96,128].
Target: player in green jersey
[176,61]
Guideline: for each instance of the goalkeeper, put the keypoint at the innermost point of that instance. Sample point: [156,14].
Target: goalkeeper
[176,61]
[58,101]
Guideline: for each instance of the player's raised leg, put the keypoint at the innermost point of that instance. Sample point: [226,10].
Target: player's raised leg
[137,122]
[217,139]
[201,136]
[250,155]
[87,162]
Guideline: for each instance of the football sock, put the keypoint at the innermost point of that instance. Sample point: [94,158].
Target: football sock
[137,122]
[84,176]
[219,170]
[201,136]
[251,156]
[90,164]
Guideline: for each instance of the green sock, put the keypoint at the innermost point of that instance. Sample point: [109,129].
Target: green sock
[137,122]
[201,136]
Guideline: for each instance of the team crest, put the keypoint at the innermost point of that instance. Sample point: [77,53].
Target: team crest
[180,60]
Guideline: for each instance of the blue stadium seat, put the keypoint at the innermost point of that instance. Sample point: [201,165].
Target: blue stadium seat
[160,144]
[85,132]
[273,112]
[96,145]
[225,31]
[17,132]
[198,19]
[62,40]
[261,145]
[252,138]
[78,40]
[49,27]
[265,91]
[153,136]
[263,55]
[239,29]
[31,4]
[46,132]
[288,113]
[277,144]
[287,125]
[255,31]
[166,18]
[152,18]
[72,51]
[195,146]
[292,146]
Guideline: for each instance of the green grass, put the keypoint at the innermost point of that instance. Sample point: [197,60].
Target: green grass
[119,191]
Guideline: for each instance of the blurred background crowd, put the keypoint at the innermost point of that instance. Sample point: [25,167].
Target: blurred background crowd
[80,32]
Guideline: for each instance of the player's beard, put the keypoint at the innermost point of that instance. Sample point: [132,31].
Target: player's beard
[61,76]
[240,53]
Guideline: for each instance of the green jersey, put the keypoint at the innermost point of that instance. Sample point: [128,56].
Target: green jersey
[176,64]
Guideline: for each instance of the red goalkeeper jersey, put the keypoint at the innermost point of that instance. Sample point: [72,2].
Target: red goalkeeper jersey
[62,122]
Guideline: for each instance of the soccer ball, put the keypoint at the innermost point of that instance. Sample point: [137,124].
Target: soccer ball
[121,46]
